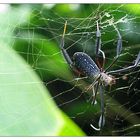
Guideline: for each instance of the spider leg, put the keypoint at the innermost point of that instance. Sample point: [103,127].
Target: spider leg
[101,122]
[118,50]
[98,47]
[96,84]
[95,92]
[98,40]
[96,89]
[137,62]
[66,55]
[93,96]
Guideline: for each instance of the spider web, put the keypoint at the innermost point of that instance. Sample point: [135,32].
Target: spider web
[41,33]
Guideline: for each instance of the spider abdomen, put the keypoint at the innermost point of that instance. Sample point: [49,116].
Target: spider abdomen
[85,65]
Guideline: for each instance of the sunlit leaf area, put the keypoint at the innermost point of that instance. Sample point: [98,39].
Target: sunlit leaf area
[42,91]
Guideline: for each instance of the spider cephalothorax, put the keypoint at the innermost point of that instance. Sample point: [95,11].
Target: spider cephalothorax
[83,64]
[107,79]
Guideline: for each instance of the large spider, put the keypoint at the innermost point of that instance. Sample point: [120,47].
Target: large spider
[83,64]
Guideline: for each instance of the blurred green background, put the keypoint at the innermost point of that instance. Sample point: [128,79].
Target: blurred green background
[40,95]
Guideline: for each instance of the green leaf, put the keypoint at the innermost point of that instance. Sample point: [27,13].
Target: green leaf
[10,18]
[133,8]
[27,109]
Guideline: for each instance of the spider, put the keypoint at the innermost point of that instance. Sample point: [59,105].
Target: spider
[83,64]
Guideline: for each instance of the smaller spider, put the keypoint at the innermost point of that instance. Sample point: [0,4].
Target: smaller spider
[83,64]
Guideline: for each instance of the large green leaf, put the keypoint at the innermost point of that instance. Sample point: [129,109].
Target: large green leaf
[10,18]
[26,107]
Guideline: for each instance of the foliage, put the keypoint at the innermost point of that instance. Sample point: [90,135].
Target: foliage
[26,106]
